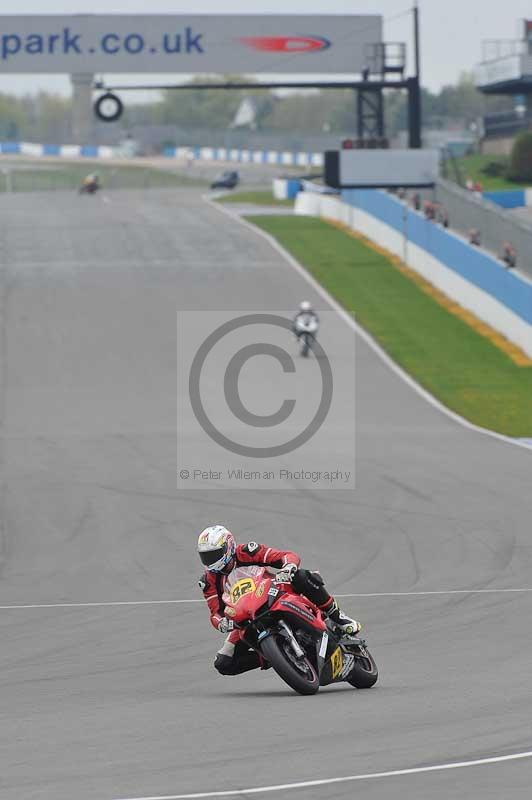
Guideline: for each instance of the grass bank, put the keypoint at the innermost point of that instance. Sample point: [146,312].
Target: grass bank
[258,198]
[473,166]
[463,369]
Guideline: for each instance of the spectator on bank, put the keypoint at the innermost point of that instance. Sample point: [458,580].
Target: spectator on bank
[443,216]
[430,210]
[416,201]
[474,186]
[509,255]
[474,236]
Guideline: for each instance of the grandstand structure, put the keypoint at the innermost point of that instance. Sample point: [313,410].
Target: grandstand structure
[506,69]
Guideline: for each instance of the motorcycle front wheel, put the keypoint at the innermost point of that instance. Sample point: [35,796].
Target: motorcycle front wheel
[299,674]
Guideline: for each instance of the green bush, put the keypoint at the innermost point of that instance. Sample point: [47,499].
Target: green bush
[521,158]
[495,169]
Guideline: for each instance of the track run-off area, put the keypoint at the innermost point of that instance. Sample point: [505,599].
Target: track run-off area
[107,689]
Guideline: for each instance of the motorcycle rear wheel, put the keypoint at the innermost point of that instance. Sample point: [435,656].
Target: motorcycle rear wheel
[303,684]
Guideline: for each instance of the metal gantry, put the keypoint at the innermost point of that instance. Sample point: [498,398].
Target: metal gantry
[386,65]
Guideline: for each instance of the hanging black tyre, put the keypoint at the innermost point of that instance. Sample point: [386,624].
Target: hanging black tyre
[299,674]
[108,107]
[364,673]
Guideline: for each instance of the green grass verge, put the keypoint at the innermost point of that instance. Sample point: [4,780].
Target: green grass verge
[471,167]
[258,198]
[25,176]
[461,368]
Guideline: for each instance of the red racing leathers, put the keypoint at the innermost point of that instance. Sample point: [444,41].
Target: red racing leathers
[250,554]
[235,656]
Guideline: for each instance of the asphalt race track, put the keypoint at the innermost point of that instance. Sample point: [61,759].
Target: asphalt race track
[121,701]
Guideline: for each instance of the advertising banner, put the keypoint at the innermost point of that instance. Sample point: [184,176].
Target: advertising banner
[187,43]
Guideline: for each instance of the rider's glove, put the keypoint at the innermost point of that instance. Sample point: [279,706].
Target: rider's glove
[225,625]
[286,574]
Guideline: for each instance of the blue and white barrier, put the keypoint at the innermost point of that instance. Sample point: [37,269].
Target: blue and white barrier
[467,274]
[510,198]
[61,150]
[285,158]
[285,188]
[273,157]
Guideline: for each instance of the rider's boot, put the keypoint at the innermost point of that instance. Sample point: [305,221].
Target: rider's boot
[347,625]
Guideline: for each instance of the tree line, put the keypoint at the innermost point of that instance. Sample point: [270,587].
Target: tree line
[46,117]
[40,117]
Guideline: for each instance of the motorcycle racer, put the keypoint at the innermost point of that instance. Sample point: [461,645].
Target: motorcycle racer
[305,311]
[91,183]
[220,554]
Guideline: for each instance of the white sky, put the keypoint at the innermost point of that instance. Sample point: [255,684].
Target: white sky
[451,30]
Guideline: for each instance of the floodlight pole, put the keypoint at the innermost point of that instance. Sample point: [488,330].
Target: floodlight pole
[416,39]
[414,90]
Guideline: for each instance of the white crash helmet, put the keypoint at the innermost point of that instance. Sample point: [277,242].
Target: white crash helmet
[216,548]
[305,306]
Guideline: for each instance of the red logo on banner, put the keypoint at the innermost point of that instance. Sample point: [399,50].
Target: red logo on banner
[286,44]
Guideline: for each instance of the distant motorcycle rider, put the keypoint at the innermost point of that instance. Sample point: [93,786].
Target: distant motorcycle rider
[91,183]
[305,312]
[220,554]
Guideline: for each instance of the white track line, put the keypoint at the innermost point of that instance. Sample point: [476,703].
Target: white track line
[111,603]
[347,779]
[438,591]
[362,332]
[104,604]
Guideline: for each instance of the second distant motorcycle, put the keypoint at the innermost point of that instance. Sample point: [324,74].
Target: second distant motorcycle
[305,326]
[227,180]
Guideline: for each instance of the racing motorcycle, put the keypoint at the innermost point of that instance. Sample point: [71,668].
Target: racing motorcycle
[306,326]
[293,635]
[89,187]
